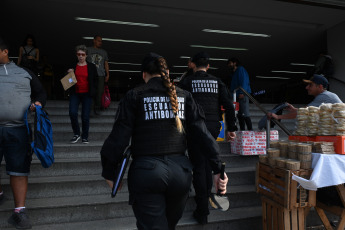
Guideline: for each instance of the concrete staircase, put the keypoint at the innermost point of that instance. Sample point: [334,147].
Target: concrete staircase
[72,195]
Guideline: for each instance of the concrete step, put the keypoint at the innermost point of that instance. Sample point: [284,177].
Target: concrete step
[92,166]
[66,136]
[238,218]
[65,104]
[93,127]
[104,119]
[53,111]
[77,209]
[68,186]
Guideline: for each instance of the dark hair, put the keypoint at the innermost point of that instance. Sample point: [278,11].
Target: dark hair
[97,36]
[26,39]
[234,60]
[201,62]
[3,44]
[201,59]
[155,64]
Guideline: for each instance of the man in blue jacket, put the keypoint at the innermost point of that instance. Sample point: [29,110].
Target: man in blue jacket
[240,78]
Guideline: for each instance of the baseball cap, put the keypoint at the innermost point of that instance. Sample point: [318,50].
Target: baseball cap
[318,79]
[200,55]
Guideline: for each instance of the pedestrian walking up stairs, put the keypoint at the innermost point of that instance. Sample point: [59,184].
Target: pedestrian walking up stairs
[73,195]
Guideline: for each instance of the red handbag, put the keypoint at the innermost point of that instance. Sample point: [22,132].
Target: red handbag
[106,97]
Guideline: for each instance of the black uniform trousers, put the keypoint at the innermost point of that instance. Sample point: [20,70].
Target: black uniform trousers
[158,190]
[202,172]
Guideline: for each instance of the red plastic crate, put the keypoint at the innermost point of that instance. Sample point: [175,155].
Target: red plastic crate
[302,138]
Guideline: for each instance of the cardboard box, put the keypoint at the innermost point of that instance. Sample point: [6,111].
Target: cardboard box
[68,81]
[252,142]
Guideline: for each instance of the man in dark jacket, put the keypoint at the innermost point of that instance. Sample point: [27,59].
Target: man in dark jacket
[18,89]
[210,93]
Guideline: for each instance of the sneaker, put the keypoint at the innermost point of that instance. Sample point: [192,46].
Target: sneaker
[85,141]
[75,139]
[20,220]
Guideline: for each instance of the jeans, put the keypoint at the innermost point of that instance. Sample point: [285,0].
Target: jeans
[243,115]
[74,102]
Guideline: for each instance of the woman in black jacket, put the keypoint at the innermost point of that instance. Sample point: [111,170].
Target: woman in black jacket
[82,92]
[156,117]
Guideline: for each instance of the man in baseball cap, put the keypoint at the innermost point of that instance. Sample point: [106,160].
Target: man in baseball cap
[317,87]
[318,80]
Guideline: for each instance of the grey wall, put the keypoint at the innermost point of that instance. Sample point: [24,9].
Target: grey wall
[336,48]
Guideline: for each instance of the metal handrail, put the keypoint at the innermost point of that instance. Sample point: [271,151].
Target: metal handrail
[263,110]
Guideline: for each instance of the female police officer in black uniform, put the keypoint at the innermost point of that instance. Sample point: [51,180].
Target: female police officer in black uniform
[157,117]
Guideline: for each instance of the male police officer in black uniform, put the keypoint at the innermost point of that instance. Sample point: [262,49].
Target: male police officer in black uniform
[160,175]
[210,93]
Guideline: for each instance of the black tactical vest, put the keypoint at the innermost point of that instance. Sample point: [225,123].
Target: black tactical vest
[204,88]
[155,131]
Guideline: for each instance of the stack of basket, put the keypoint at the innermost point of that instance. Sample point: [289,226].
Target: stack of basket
[291,155]
[283,147]
[338,111]
[292,150]
[272,155]
[302,122]
[304,155]
[313,120]
[326,124]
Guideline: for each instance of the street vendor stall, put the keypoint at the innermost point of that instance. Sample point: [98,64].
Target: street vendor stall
[328,170]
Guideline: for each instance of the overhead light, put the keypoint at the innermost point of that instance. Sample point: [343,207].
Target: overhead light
[236,33]
[180,66]
[283,71]
[175,73]
[211,59]
[119,63]
[120,40]
[217,47]
[13,57]
[218,59]
[115,22]
[125,71]
[283,78]
[302,64]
